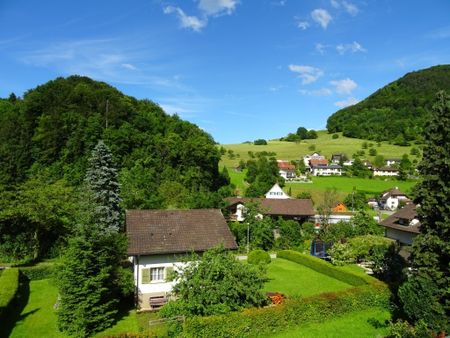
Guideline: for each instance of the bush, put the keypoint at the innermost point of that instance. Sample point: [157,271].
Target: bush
[260,142]
[335,136]
[257,257]
[9,285]
[38,272]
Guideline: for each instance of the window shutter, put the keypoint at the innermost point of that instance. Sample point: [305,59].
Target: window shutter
[169,273]
[146,276]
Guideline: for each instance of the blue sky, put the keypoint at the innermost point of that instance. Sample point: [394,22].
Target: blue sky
[241,70]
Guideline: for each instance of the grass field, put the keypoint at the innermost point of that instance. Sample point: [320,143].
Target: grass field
[293,279]
[361,324]
[345,185]
[324,144]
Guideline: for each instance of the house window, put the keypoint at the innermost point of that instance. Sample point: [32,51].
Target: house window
[157,274]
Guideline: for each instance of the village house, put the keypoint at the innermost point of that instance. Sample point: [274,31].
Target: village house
[337,158]
[391,199]
[339,207]
[385,171]
[326,170]
[367,164]
[313,156]
[403,226]
[296,209]
[391,161]
[158,242]
[276,192]
[348,163]
[286,170]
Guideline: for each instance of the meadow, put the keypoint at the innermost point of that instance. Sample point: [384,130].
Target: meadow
[324,144]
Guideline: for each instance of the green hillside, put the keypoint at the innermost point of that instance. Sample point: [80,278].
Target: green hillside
[396,112]
[325,144]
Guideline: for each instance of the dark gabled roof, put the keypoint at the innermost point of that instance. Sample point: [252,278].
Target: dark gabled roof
[386,169]
[394,192]
[152,232]
[278,207]
[405,215]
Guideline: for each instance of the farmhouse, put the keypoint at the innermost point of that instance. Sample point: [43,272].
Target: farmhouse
[286,169]
[390,199]
[158,240]
[297,209]
[385,171]
[277,193]
[403,225]
[391,161]
[326,170]
[337,158]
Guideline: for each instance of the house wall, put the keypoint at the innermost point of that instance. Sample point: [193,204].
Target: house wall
[326,172]
[402,236]
[391,203]
[154,288]
[385,173]
[333,219]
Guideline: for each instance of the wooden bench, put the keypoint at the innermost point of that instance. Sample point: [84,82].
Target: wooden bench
[157,301]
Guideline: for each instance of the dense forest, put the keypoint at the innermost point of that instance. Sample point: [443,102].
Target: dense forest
[397,112]
[45,141]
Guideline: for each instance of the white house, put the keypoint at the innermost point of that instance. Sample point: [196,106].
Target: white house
[391,199]
[276,192]
[403,225]
[158,242]
[314,156]
[391,161]
[348,163]
[286,170]
[385,171]
[328,170]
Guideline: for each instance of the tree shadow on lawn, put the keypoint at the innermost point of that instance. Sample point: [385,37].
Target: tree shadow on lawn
[14,311]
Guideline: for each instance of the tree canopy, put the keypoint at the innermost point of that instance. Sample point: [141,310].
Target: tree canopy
[397,112]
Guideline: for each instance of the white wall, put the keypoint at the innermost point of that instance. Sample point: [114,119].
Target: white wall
[401,236]
[154,288]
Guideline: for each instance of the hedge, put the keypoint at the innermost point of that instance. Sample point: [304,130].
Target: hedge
[258,257]
[326,268]
[367,292]
[38,272]
[265,321]
[9,285]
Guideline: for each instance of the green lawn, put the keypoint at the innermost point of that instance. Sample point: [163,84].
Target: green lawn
[38,319]
[324,144]
[361,324]
[294,279]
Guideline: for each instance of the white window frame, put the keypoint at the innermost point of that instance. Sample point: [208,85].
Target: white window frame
[157,274]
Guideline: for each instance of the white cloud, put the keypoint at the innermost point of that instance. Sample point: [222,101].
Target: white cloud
[128,66]
[303,25]
[321,16]
[345,103]
[186,21]
[316,92]
[350,8]
[321,48]
[217,7]
[353,47]
[308,74]
[335,4]
[345,86]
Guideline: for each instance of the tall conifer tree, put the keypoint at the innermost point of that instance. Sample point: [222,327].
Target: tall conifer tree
[426,294]
[90,278]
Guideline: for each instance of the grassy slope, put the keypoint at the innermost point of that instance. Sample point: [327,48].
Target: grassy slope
[361,324]
[324,144]
[294,279]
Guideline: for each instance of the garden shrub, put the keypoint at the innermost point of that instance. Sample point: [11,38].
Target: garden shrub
[257,257]
[326,268]
[9,285]
[265,321]
[38,272]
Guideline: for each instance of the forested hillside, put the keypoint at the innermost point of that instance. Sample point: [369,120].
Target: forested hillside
[46,138]
[396,112]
